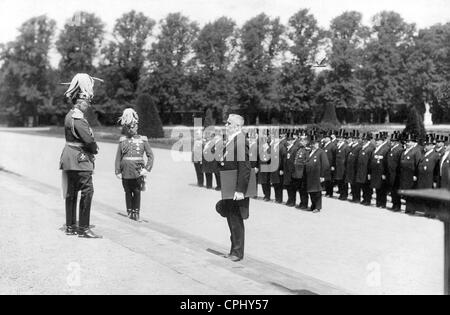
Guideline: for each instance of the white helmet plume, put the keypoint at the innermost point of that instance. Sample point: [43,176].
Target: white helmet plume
[129,117]
[82,86]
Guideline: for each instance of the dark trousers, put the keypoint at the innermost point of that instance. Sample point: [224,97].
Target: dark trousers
[132,189]
[299,185]
[316,200]
[217,175]
[329,186]
[278,188]
[79,182]
[343,189]
[237,230]
[367,193]
[267,190]
[356,192]
[209,180]
[199,173]
[396,199]
[292,193]
[381,196]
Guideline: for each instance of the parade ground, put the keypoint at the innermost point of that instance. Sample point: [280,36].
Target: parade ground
[345,249]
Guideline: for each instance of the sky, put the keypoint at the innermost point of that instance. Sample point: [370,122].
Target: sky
[14,12]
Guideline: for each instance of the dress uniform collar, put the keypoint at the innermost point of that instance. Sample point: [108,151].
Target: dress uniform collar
[395,146]
[380,146]
[408,150]
[428,153]
[326,144]
[366,145]
[312,152]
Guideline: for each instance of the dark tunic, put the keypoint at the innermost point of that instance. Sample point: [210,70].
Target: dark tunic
[350,165]
[341,158]
[300,162]
[444,171]
[288,160]
[363,164]
[378,166]
[409,163]
[393,165]
[428,170]
[316,168]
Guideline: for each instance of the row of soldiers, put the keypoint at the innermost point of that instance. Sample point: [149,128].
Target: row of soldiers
[357,163]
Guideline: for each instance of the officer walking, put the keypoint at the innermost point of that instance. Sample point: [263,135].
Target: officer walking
[77,159]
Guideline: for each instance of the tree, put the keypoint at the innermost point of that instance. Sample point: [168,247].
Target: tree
[26,79]
[166,79]
[343,87]
[79,44]
[255,75]
[123,60]
[414,124]
[384,64]
[150,124]
[297,76]
[215,50]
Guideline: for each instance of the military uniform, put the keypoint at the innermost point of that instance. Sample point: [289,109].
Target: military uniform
[362,172]
[299,174]
[409,163]
[330,150]
[198,161]
[276,177]
[342,152]
[378,174]
[129,163]
[77,164]
[316,168]
[288,158]
[350,170]
[263,174]
[210,164]
[393,172]
[444,171]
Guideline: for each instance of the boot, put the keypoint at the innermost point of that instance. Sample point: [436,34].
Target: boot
[71,230]
[137,216]
[87,233]
[129,212]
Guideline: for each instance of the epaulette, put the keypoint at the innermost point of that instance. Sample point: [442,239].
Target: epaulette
[123,138]
[144,138]
[77,115]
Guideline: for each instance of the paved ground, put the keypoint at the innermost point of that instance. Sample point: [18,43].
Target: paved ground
[345,248]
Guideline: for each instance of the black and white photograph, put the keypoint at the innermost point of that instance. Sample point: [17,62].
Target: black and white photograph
[224,154]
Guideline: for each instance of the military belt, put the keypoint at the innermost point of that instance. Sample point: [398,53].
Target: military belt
[129,158]
[75,144]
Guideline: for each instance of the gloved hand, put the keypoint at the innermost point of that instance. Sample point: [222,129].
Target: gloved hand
[119,176]
[144,172]
[238,196]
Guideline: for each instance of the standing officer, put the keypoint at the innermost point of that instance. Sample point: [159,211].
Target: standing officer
[197,156]
[409,163]
[350,166]
[363,170]
[236,157]
[300,171]
[378,170]
[330,150]
[77,159]
[265,161]
[393,170]
[288,155]
[444,167]
[130,165]
[209,163]
[440,145]
[316,168]
[342,152]
[276,177]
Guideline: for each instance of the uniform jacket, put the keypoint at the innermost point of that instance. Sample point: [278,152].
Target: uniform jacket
[210,163]
[330,150]
[350,165]
[264,159]
[393,165]
[441,152]
[288,160]
[444,171]
[275,177]
[78,154]
[363,164]
[300,162]
[341,158]
[130,156]
[316,168]
[378,166]
[428,170]
[409,163]
[232,162]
